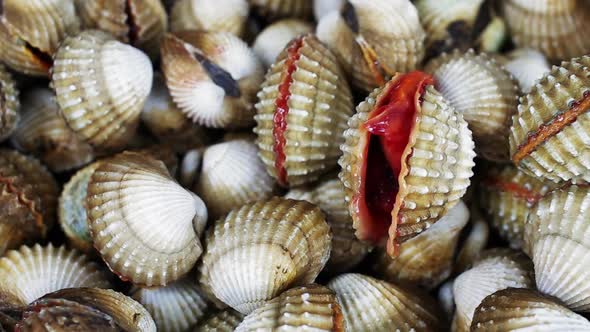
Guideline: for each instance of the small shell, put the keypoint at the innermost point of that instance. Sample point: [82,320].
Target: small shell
[211,15]
[143,223]
[370,304]
[446,299]
[324,7]
[221,321]
[232,175]
[29,273]
[31,31]
[213,77]
[141,23]
[275,9]
[9,104]
[525,310]
[190,167]
[549,134]
[474,243]
[304,104]
[527,66]
[263,248]
[101,86]
[374,39]
[272,40]
[484,92]
[312,307]
[44,133]
[426,259]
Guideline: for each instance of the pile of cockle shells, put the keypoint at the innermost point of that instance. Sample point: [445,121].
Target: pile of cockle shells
[286,165]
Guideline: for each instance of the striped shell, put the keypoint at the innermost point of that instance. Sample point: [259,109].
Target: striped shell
[9,104]
[221,321]
[369,304]
[275,9]
[527,66]
[304,104]
[484,92]
[272,40]
[101,85]
[144,224]
[262,249]
[548,135]
[310,308]
[374,39]
[211,15]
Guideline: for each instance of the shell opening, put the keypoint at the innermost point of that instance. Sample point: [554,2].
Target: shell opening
[44,59]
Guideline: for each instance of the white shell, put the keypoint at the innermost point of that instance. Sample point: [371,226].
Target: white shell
[211,15]
[272,40]
[527,66]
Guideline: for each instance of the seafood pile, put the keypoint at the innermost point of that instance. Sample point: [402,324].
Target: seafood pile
[287,165]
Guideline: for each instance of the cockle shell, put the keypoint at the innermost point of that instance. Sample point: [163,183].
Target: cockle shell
[311,307]
[324,7]
[272,40]
[9,104]
[101,85]
[221,321]
[275,9]
[369,304]
[549,134]
[484,92]
[163,153]
[525,310]
[304,104]
[474,243]
[446,299]
[144,224]
[31,31]
[374,39]
[527,66]
[262,249]
[190,167]
[213,77]
[211,15]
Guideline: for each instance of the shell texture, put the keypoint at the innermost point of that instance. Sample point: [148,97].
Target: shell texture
[221,321]
[9,104]
[272,40]
[211,15]
[527,66]
[275,9]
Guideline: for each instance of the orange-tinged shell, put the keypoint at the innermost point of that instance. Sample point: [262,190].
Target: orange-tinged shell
[211,15]
[275,9]
[527,66]
[272,40]
[9,104]
[221,321]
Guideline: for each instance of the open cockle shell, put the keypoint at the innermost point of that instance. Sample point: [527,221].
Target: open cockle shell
[527,66]
[101,85]
[9,104]
[275,9]
[211,15]
[369,304]
[144,224]
[303,107]
[220,321]
[272,40]
[262,249]
[484,93]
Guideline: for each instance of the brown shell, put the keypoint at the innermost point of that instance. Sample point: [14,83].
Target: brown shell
[220,321]
[9,104]
[275,9]
[211,15]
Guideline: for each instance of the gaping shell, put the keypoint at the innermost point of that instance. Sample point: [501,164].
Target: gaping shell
[9,104]
[275,9]
[272,40]
[220,321]
[262,249]
[304,104]
[211,15]
[527,66]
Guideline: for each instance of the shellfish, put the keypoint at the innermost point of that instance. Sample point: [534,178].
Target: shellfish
[275,9]
[324,7]
[527,66]
[220,321]
[272,40]
[9,104]
[211,15]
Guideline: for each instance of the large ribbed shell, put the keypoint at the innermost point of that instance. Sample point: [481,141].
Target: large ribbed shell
[262,249]
[527,66]
[436,174]
[388,28]
[319,104]
[44,133]
[272,40]
[141,220]
[33,27]
[222,321]
[310,308]
[31,272]
[274,9]
[556,28]
[101,85]
[211,15]
[232,175]
[547,116]
[9,104]
[527,311]
[369,304]
[426,259]
[484,92]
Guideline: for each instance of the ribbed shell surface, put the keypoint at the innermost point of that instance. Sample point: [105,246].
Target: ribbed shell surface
[212,15]
[9,104]
[222,321]
[274,9]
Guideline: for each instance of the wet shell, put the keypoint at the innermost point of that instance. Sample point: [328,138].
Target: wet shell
[374,39]
[370,304]
[44,133]
[222,321]
[426,259]
[304,105]
[28,197]
[527,66]
[275,9]
[556,28]
[232,175]
[324,7]
[31,31]
[262,249]
[176,307]
[144,224]
[9,104]
[213,77]
[484,92]
[272,40]
[549,134]
[525,310]
[211,15]
[496,270]
[31,272]
[347,250]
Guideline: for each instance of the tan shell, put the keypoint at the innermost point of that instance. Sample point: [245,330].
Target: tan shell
[221,321]
[324,7]
[275,9]
[31,31]
[101,85]
[527,66]
[262,249]
[44,133]
[374,39]
[272,40]
[211,15]
[9,104]
[369,304]
[318,104]
[144,224]
[31,272]
[549,134]
[484,92]
[525,310]
[556,28]
[428,258]
[28,197]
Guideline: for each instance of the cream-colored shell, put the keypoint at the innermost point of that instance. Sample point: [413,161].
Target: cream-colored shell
[275,9]
[190,167]
[9,104]
[324,7]
[211,15]
[221,321]
[272,40]
[527,66]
